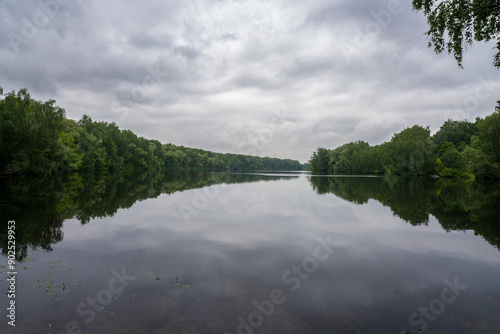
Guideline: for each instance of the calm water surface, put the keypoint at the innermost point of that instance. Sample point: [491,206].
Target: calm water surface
[259,253]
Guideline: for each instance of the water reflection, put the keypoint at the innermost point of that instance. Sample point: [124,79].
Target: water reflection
[254,238]
[457,204]
[39,206]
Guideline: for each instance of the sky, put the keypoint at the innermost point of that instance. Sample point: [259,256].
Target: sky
[267,78]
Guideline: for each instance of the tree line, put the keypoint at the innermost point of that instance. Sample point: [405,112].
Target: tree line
[37,138]
[459,149]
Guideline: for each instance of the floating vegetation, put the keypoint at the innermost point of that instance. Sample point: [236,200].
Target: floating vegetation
[178,281]
[28,260]
[150,275]
[52,289]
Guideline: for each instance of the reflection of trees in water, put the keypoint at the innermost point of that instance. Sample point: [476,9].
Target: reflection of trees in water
[38,222]
[39,206]
[457,204]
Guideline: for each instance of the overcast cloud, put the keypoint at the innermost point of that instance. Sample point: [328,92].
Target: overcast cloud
[270,78]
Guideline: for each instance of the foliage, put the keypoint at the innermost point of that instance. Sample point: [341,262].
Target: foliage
[480,164]
[408,152]
[320,160]
[29,133]
[459,149]
[411,151]
[450,162]
[458,133]
[36,138]
[489,135]
[464,21]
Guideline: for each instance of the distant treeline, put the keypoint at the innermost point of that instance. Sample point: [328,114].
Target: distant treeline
[37,138]
[458,149]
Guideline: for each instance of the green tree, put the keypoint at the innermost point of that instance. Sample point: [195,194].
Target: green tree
[411,151]
[35,137]
[489,135]
[70,159]
[319,160]
[464,21]
[29,133]
[355,157]
[457,132]
[450,162]
[480,164]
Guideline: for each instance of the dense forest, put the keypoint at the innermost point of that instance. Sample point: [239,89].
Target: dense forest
[37,138]
[460,149]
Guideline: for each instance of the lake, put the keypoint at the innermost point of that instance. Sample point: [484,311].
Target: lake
[281,252]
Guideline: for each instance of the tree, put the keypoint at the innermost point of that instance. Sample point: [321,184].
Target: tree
[36,138]
[450,156]
[411,150]
[354,157]
[319,160]
[480,164]
[465,21]
[450,162]
[457,132]
[29,134]
[489,135]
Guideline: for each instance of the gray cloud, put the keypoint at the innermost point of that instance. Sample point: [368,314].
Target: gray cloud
[253,77]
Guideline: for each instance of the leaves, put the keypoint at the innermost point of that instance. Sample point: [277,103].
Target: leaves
[29,134]
[36,138]
[460,149]
[464,21]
